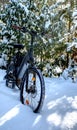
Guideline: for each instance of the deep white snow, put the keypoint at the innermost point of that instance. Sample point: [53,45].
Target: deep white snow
[59,110]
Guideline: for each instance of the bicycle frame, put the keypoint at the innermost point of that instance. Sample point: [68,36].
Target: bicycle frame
[27,61]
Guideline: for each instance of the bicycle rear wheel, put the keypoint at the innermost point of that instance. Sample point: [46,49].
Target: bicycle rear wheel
[10,76]
[32,90]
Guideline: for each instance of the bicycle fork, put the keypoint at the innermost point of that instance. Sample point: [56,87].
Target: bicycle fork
[30,82]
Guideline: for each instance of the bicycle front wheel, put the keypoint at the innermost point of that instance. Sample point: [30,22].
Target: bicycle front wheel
[32,90]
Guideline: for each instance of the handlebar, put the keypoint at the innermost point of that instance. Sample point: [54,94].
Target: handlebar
[25,30]
[31,32]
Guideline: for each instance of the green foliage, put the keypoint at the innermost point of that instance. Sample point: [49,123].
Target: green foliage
[50,17]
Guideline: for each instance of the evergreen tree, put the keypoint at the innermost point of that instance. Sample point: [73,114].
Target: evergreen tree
[47,17]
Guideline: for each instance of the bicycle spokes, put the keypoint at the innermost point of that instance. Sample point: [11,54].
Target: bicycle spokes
[33,94]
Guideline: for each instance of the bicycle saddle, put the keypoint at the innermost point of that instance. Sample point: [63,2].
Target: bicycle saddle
[18,46]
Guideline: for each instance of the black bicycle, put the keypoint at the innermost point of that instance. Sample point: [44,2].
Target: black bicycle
[26,76]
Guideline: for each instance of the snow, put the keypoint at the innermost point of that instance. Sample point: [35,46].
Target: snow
[74,13]
[59,110]
[47,24]
[24,7]
[3,60]
[60,0]
[72,44]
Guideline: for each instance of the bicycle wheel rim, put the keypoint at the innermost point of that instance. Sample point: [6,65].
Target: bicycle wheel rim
[34,100]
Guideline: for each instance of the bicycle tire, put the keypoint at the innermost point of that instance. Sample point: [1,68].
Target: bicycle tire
[10,82]
[39,103]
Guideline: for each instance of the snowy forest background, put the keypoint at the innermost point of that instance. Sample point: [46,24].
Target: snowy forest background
[57,19]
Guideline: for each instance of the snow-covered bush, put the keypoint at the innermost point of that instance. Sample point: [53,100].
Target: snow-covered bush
[56,71]
[71,71]
[3,61]
[47,71]
[73,31]
[51,71]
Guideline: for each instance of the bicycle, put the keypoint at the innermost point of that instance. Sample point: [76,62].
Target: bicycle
[27,77]
[13,64]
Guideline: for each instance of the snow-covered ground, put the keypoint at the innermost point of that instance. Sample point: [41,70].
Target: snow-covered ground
[59,110]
